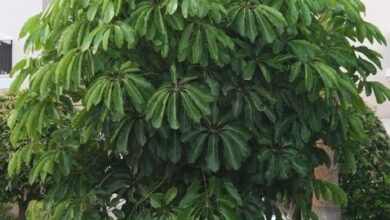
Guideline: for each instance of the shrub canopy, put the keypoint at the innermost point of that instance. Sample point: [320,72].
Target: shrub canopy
[369,188]
[17,189]
[205,109]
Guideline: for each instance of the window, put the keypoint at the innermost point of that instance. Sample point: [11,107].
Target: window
[5,56]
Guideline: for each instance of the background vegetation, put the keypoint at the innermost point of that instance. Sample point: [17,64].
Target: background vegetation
[15,190]
[368,188]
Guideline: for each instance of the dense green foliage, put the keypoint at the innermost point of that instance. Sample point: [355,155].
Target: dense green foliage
[5,146]
[204,109]
[14,190]
[368,189]
[5,212]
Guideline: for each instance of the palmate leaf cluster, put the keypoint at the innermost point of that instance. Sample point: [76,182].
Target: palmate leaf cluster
[206,109]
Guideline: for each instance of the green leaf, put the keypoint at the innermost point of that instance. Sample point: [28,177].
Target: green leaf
[328,74]
[172,6]
[381,91]
[153,103]
[108,12]
[227,213]
[92,10]
[338,194]
[174,75]
[265,155]
[172,112]
[140,133]
[69,72]
[293,12]
[232,190]
[133,92]
[49,165]
[174,152]
[237,105]
[184,43]
[265,73]
[202,94]
[123,138]
[197,48]
[274,16]
[249,70]
[160,22]
[298,166]
[191,196]
[350,161]
[306,13]
[18,66]
[196,148]
[202,105]
[30,26]
[119,214]
[119,36]
[18,82]
[98,39]
[212,154]
[117,6]
[37,169]
[304,50]
[65,164]
[240,22]
[175,21]
[62,67]
[309,78]
[156,200]
[212,44]
[231,152]
[190,108]
[266,30]
[13,164]
[95,93]
[87,42]
[170,195]
[118,98]
[271,172]
[129,34]
[68,37]
[158,115]
[372,55]
[295,71]
[251,30]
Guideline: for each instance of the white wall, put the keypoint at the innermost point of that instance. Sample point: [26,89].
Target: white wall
[45,3]
[13,14]
[377,12]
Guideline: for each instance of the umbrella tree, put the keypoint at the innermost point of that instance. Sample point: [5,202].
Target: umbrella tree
[190,109]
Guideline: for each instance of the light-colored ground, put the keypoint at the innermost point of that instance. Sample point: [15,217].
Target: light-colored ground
[5,82]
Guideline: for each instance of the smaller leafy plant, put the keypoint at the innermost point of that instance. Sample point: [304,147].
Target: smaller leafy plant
[14,189]
[368,188]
